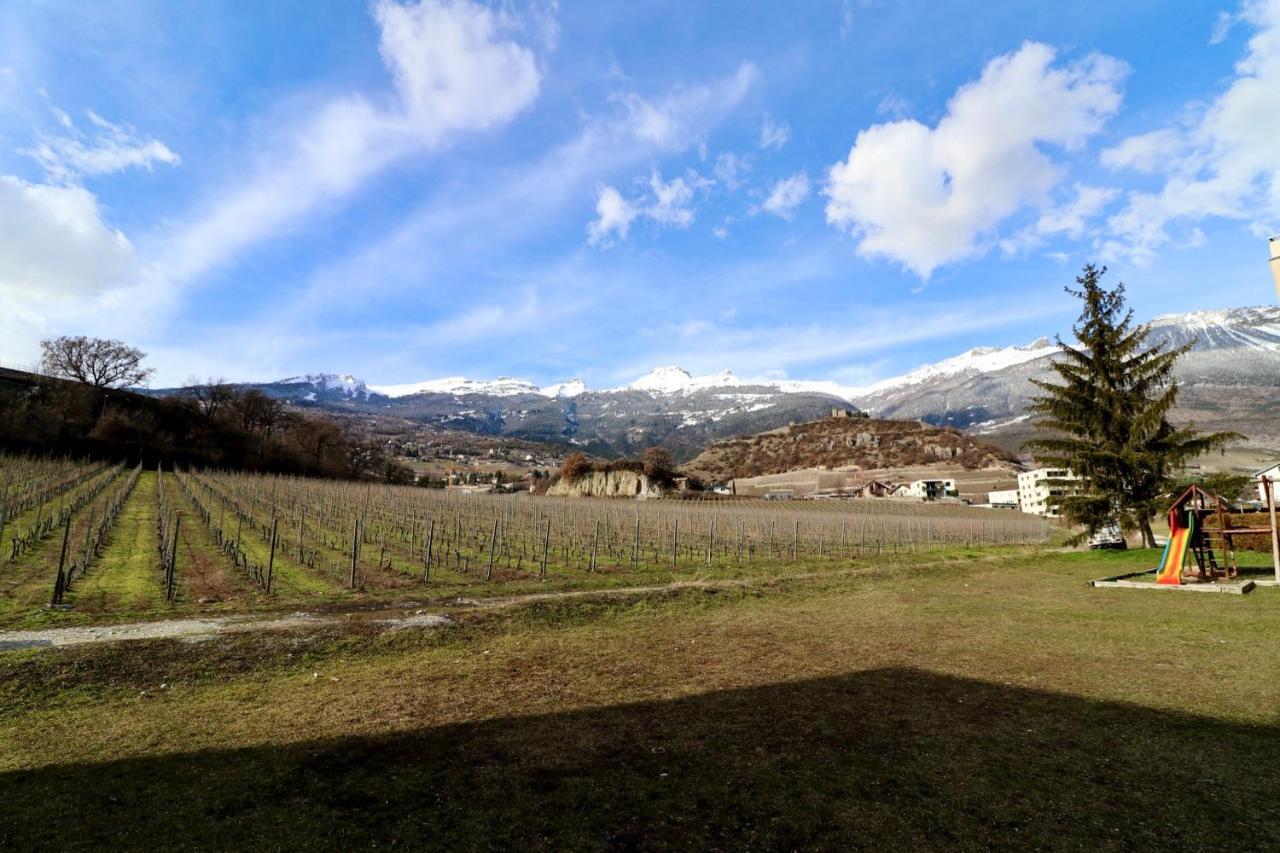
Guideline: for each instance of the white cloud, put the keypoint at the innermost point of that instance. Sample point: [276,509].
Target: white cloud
[1227,164]
[786,195]
[53,242]
[454,71]
[669,204]
[1222,27]
[113,148]
[679,119]
[757,349]
[513,205]
[1070,219]
[893,105]
[614,215]
[773,134]
[452,67]
[928,196]
[731,169]
[1145,152]
[58,262]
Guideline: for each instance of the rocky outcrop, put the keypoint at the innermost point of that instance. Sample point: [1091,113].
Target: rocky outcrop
[608,484]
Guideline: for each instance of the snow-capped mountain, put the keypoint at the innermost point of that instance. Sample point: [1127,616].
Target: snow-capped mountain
[659,381]
[975,361]
[1230,379]
[341,384]
[503,386]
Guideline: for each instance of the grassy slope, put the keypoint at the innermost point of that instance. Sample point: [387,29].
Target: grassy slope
[994,702]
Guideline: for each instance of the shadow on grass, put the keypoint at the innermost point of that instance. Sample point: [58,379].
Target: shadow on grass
[886,758]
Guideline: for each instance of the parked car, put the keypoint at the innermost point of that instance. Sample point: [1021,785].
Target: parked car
[1108,537]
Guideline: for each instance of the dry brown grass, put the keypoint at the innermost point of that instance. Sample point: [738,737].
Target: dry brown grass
[968,704]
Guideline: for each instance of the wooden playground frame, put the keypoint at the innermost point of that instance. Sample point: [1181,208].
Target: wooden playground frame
[1211,542]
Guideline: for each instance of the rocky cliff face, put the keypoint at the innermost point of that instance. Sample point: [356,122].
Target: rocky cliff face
[608,484]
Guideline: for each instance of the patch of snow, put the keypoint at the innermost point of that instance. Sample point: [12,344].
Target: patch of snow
[503,386]
[344,383]
[572,388]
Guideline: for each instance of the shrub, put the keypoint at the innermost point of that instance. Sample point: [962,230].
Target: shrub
[576,465]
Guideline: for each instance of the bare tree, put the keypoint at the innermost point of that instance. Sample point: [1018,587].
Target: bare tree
[94,361]
[211,395]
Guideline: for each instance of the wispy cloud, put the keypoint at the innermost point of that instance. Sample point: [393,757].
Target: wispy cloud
[454,70]
[73,154]
[792,348]
[787,195]
[1225,165]
[773,134]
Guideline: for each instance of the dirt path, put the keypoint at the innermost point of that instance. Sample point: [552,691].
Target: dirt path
[391,617]
[189,629]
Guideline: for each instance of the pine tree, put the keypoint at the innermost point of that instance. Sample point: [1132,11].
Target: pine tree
[1107,417]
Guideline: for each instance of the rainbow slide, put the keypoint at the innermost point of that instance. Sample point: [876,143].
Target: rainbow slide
[1175,552]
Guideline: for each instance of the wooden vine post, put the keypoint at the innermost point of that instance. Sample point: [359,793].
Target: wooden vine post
[271,555]
[60,583]
[173,559]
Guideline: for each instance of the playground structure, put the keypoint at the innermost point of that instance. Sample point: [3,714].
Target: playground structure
[1200,527]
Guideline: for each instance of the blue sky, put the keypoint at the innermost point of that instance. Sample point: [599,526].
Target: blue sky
[827,190]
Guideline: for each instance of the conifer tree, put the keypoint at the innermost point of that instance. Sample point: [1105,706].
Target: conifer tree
[1107,417]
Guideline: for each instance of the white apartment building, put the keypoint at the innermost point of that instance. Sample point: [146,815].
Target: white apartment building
[931,490]
[1003,499]
[1035,496]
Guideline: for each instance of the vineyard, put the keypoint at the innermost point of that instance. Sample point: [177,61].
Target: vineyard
[87,539]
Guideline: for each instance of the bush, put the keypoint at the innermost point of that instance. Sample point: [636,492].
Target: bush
[660,466]
[576,465]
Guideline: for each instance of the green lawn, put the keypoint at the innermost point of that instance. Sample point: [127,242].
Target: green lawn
[971,703]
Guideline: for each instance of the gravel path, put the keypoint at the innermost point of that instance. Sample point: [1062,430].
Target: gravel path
[390,618]
[191,629]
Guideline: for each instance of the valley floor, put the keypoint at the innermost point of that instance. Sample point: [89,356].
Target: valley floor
[965,702]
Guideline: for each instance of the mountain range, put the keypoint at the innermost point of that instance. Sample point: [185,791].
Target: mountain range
[1230,379]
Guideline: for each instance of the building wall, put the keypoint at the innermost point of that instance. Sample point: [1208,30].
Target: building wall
[931,488]
[1035,496]
[1273,474]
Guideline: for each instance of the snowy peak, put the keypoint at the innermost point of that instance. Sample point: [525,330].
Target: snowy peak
[1228,329]
[975,361]
[571,388]
[677,380]
[665,379]
[503,386]
[341,383]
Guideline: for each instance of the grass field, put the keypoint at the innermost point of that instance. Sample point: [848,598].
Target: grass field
[986,699]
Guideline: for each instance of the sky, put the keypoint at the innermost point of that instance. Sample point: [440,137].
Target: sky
[834,189]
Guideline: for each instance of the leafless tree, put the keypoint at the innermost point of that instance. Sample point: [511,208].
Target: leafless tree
[256,413]
[95,361]
[211,395]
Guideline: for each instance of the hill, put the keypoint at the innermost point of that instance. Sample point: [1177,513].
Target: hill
[858,443]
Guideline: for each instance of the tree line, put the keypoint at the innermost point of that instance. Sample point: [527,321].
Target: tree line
[77,405]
